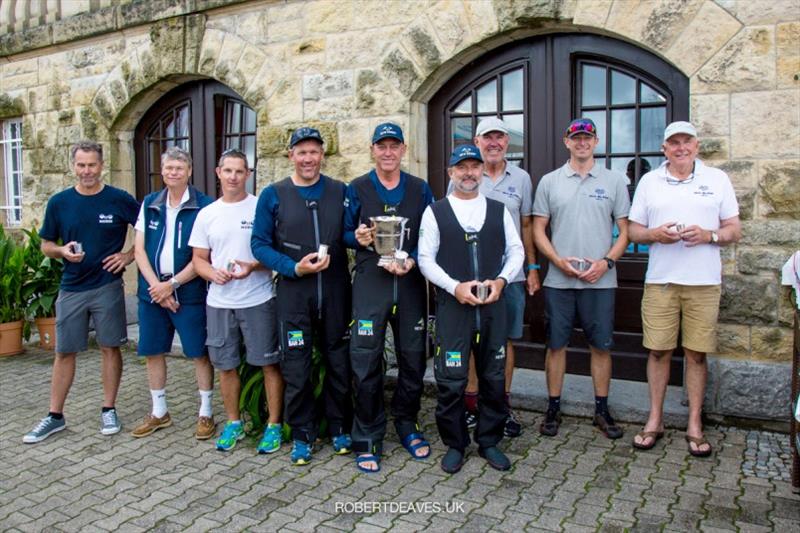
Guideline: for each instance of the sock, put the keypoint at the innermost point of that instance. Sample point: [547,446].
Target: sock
[239,422]
[508,400]
[554,403]
[107,409]
[159,402]
[471,401]
[57,416]
[601,404]
[205,402]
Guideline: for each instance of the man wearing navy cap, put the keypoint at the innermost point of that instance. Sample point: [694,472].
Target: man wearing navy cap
[580,202]
[298,233]
[469,248]
[392,294]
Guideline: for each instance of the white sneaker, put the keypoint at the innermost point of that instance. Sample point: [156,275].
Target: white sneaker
[110,422]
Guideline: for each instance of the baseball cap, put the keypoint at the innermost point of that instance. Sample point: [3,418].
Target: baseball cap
[305,133]
[679,127]
[387,130]
[490,124]
[581,125]
[465,151]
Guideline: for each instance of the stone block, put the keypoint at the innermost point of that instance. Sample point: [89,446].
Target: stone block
[283,105]
[733,340]
[21,41]
[11,107]
[338,108]
[787,38]
[329,17]
[746,63]
[375,95]
[742,173]
[420,39]
[356,49]
[195,27]
[451,26]
[748,389]
[711,114]
[592,12]
[788,71]
[398,68]
[209,51]
[167,45]
[746,198]
[713,148]
[749,300]
[770,12]
[755,260]
[328,85]
[779,187]
[753,124]
[84,25]
[656,23]
[774,232]
[531,14]
[368,14]
[772,343]
[702,37]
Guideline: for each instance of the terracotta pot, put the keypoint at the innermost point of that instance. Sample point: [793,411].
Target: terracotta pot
[11,338]
[47,332]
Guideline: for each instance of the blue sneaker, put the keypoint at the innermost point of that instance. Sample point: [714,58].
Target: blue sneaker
[342,444]
[109,422]
[301,452]
[46,427]
[233,433]
[271,441]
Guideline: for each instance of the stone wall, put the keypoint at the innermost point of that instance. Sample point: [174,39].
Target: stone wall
[346,65]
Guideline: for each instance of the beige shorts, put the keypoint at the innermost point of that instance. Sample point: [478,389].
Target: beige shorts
[692,309]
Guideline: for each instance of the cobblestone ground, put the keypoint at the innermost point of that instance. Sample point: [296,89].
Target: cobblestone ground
[79,480]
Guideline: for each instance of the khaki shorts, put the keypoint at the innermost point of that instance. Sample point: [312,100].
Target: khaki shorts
[692,308]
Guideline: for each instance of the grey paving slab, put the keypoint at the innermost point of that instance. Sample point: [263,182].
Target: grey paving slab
[80,480]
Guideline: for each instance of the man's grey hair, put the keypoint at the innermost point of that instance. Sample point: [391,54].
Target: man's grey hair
[86,146]
[176,153]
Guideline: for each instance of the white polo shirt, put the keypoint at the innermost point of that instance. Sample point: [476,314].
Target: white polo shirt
[704,201]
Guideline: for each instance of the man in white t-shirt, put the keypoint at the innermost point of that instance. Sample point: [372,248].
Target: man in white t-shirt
[685,211]
[240,304]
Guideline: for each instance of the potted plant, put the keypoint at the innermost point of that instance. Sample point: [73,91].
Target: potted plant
[40,289]
[12,302]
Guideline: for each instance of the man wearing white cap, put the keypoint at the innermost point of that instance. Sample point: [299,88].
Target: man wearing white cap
[685,211]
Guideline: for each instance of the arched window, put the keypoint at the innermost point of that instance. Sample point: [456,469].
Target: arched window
[537,86]
[204,118]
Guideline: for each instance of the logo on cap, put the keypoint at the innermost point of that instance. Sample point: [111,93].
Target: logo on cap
[581,125]
[305,133]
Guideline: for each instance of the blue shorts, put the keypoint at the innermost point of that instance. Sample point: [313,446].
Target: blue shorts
[514,296]
[157,329]
[593,309]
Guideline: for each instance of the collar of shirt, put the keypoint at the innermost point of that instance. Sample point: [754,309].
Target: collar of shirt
[506,173]
[184,199]
[571,172]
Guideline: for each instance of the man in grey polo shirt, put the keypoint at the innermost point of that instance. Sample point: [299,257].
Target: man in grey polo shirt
[580,201]
[509,184]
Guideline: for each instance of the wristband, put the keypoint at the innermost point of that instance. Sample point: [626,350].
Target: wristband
[534,266]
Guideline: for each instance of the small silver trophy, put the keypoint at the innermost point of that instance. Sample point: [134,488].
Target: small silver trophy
[322,252]
[77,248]
[482,292]
[390,232]
[581,265]
[679,226]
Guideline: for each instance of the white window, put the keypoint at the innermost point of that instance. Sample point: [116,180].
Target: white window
[11,168]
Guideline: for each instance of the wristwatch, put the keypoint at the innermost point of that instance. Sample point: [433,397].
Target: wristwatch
[610,262]
[714,237]
[175,283]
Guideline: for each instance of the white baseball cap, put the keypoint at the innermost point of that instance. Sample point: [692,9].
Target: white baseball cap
[490,124]
[679,127]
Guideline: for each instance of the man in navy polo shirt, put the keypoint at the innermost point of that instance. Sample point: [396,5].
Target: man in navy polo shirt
[295,217]
[383,295]
[91,219]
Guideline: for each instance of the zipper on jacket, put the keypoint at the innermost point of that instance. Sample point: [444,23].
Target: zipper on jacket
[476,274]
[315,216]
[180,233]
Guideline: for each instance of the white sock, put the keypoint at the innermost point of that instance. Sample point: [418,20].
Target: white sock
[159,402]
[205,402]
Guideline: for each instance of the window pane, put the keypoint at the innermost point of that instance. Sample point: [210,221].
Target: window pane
[183,122]
[512,90]
[249,119]
[155,156]
[625,166]
[169,128]
[599,118]
[183,143]
[516,132]
[487,97]
[462,131]
[465,106]
[249,148]
[649,94]
[623,130]
[600,161]
[593,82]
[233,123]
[623,88]
[653,122]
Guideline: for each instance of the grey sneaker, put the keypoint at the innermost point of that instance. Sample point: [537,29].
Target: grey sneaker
[46,427]
[110,422]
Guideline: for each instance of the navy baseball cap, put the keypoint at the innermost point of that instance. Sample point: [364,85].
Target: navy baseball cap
[387,130]
[303,134]
[465,151]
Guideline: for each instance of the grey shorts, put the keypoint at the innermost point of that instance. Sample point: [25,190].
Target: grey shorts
[256,326]
[105,305]
[514,296]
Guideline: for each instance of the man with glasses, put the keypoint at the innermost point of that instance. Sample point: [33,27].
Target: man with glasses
[580,202]
[685,211]
[298,233]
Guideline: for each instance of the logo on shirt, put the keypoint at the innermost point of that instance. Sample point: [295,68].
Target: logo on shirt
[105,219]
[420,325]
[346,202]
[452,359]
[599,194]
[365,328]
[153,224]
[247,224]
[512,189]
[389,208]
[295,339]
[704,190]
[501,353]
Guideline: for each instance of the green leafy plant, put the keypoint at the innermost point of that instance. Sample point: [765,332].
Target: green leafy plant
[12,277]
[40,288]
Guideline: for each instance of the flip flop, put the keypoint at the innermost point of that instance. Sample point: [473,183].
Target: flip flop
[412,448]
[361,459]
[698,441]
[644,435]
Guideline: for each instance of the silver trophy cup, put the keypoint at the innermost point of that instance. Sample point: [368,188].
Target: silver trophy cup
[390,232]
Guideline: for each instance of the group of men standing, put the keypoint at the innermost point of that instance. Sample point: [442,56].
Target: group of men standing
[270,275]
